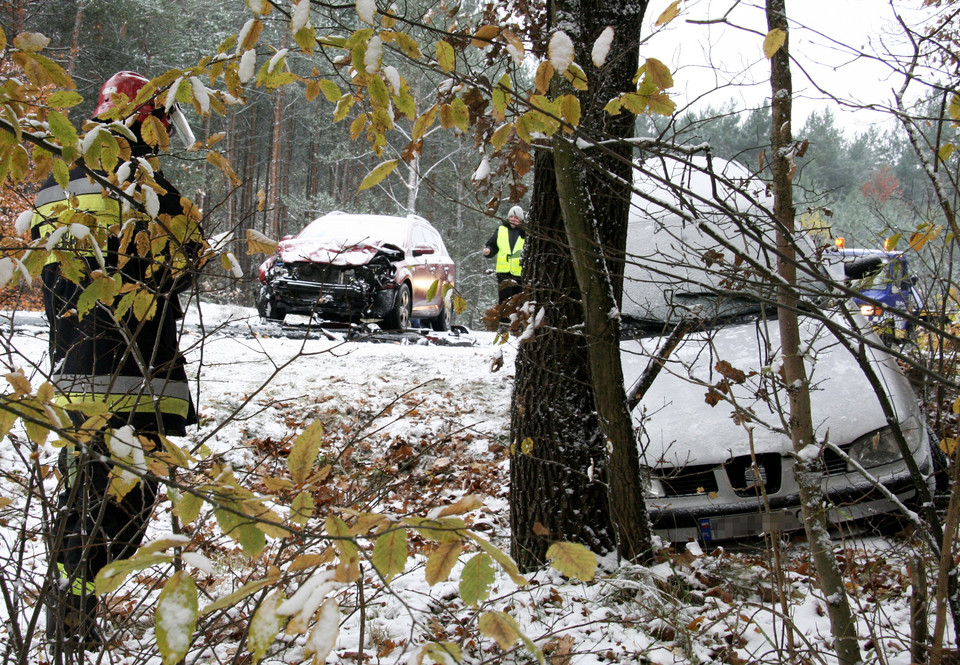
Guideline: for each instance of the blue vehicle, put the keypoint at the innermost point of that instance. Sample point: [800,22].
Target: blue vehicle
[884,280]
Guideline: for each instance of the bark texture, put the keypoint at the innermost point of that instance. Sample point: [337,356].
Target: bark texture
[798,388]
[558,484]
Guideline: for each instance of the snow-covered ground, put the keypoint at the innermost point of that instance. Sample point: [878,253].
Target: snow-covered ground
[408,428]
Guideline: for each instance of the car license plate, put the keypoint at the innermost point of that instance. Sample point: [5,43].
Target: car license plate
[750,524]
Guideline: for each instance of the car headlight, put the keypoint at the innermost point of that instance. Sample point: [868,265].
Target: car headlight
[871,310]
[652,487]
[881,447]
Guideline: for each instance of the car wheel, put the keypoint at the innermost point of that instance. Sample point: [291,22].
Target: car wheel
[268,309]
[442,322]
[399,316]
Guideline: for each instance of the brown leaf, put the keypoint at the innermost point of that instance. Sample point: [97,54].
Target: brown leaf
[541,530]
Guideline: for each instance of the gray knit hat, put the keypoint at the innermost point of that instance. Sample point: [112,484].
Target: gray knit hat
[516,211]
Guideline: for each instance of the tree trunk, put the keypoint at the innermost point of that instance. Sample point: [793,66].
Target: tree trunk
[557,478]
[75,41]
[795,376]
[602,331]
[557,489]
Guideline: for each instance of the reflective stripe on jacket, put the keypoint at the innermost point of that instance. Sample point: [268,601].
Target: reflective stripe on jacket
[508,260]
[132,366]
[83,197]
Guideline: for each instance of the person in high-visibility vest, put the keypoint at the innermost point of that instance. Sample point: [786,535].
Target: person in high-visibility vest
[118,363]
[507,246]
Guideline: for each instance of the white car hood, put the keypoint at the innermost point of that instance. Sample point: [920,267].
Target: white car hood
[327,252]
[679,427]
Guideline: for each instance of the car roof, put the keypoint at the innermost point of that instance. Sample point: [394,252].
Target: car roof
[360,217]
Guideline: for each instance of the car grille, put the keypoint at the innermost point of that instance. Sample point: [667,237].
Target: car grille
[321,273]
[689,480]
[745,478]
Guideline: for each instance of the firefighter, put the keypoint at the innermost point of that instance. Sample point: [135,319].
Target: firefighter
[507,246]
[118,370]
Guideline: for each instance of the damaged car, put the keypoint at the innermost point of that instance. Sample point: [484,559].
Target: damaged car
[351,268]
[713,430]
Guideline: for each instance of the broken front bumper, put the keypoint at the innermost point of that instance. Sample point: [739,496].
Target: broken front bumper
[340,302]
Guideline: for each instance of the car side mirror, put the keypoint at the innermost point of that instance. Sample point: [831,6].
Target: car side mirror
[863,267]
[421,250]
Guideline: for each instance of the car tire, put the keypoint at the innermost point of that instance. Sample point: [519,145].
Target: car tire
[268,309]
[399,316]
[442,321]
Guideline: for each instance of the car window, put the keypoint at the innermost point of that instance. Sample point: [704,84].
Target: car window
[420,237]
[356,231]
[712,265]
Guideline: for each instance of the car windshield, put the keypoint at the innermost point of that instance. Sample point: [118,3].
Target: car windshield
[704,310]
[714,265]
[336,231]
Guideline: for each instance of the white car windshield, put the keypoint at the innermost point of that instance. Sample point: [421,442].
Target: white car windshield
[714,264]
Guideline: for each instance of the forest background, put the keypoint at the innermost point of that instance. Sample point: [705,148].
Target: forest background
[293,161]
[286,155]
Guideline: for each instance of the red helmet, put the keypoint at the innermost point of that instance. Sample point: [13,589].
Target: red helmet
[129,84]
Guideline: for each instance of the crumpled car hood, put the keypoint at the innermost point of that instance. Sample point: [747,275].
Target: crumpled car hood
[327,252]
[680,427]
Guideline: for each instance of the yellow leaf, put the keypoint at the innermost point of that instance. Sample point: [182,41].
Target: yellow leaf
[357,126]
[442,561]
[446,56]
[668,14]
[265,625]
[502,558]
[379,95]
[498,140]
[303,454]
[570,108]
[176,618]
[485,35]
[378,174]
[464,505]
[573,560]
[330,90]
[344,104]
[258,243]
[476,579]
[501,627]
[773,41]
[460,114]
[943,154]
[659,73]
[955,106]
[577,77]
[919,239]
[542,79]
[390,552]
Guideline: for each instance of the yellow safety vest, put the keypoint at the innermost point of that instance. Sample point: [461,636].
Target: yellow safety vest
[508,260]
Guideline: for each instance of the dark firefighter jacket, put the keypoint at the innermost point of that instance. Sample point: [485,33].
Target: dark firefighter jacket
[133,365]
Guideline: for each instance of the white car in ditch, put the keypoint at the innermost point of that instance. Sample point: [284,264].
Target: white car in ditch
[713,437]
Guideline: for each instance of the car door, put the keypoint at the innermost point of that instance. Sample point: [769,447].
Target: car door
[422,269]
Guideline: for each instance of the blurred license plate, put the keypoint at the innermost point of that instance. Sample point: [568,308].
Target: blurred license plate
[742,526]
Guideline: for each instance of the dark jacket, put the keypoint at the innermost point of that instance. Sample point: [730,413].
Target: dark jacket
[134,365]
